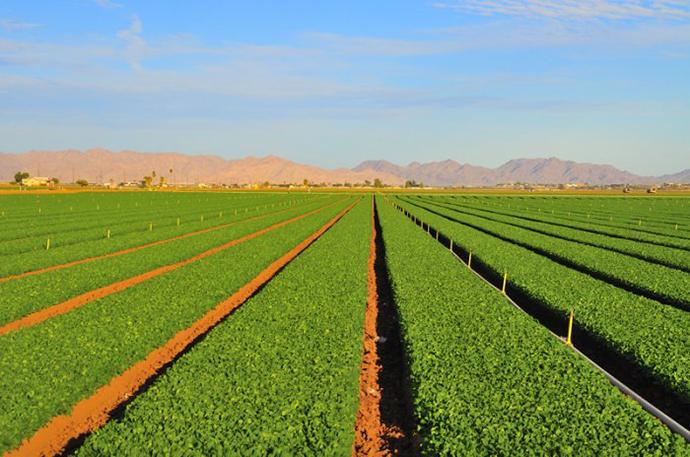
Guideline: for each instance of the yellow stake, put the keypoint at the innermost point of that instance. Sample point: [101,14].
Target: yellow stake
[107,234]
[451,245]
[48,244]
[569,341]
[178,221]
[676,224]
[469,260]
[505,279]
[150,226]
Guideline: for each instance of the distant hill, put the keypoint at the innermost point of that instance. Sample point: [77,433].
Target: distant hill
[534,171]
[101,165]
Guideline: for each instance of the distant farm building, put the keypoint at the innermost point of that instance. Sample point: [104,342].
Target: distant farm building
[36,181]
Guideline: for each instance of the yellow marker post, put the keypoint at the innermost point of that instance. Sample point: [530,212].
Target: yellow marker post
[107,233]
[676,224]
[469,261]
[178,221]
[150,226]
[451,245]
[505,280]
[47,244]
[220,214]
[569,341]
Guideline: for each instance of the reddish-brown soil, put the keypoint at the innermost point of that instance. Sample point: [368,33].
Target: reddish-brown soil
[385,423]
[80,300]
[369,430]
[137,248]
[93,412]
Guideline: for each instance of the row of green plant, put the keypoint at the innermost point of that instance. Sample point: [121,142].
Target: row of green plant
[46,369]
[79,228]
[28,294]
[279,377]
[646,333]
[489,380]
[56,255]
[675,258]
[660,210]
[660,282]
[560,211]
[24,209]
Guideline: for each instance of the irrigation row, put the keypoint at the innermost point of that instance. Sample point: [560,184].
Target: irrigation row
[599,229]
[464,210]
[566,262]
[648,406]
[65,433]
[385,423]
[110,289]
[139,247]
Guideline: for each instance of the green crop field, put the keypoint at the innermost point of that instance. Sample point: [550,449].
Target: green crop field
[283,323]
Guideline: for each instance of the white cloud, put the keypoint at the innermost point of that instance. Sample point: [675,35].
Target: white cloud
[107,4]
[136,47]
[574,9]
[11,25]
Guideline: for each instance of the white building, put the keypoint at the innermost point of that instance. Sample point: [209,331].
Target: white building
[36,181]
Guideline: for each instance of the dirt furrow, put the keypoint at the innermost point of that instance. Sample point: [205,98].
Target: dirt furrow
[80,300]
[93,412]
[385,423]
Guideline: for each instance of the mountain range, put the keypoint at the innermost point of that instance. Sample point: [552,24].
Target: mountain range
[102,165]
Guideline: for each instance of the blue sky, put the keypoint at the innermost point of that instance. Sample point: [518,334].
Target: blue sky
[335,83]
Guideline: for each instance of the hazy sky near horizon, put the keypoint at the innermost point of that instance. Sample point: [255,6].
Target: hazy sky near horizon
[335,83]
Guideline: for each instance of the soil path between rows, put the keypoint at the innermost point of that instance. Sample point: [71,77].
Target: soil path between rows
[93,412]
[81,300]
[137,248]
[384,423]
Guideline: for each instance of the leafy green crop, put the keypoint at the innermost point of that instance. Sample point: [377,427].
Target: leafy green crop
[655,281]
[488,380]
[67,246]
[45,369]
[278,377]
[672,257]
[25,295]
[645,332]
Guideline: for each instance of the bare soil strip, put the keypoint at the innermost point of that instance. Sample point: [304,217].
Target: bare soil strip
[137,248]
[80,300]
[93,412]
[385,423]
